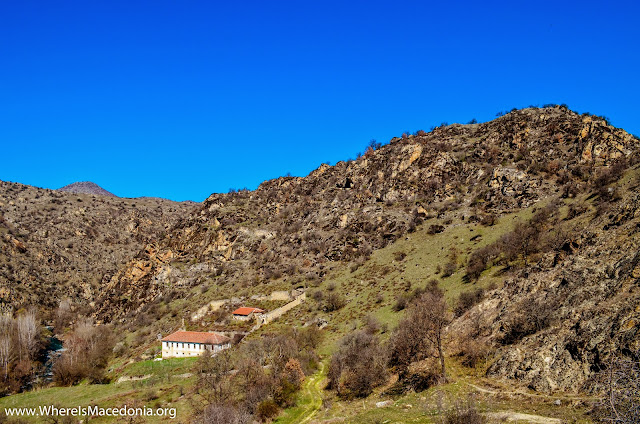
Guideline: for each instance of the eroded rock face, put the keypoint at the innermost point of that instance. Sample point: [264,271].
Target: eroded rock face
[590,293]
[513,183]
[603,143]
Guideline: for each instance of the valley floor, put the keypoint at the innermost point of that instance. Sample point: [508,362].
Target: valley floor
[496,402]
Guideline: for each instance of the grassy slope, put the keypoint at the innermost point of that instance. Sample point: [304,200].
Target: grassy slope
[163,384]
[384,277]
[374,287]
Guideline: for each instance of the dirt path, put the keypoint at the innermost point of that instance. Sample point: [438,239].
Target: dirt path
[507,416]
[132,378]
[521,393]
[310,401]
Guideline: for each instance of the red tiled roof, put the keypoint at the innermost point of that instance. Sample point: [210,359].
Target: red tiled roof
[196,337]
[247,311]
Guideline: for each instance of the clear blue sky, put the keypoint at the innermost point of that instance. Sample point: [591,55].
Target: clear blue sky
[180,99]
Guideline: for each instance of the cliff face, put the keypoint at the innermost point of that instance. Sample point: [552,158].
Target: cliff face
[298,227]
[56,245]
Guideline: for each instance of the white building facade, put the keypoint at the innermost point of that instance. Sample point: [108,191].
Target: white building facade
[182,344]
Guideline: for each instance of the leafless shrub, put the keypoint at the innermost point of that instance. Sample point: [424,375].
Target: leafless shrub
[435,229]
[401,303]
[478,261]
[334,302]
[570,189]
[463,413]
[529,317]
[449,269]
[223,414]
[619,386]
[358,366]
[467,299]
[317,295]
[576,209]
[371,324]
[488,219]
[473,352]
[419,335]
[399,256]
[611,174]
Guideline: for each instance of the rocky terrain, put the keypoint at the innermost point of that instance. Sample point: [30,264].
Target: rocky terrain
[86,187]
[56,245]
[296,229]
[557,323]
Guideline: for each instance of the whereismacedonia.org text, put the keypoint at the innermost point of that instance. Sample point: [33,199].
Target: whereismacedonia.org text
[90,411]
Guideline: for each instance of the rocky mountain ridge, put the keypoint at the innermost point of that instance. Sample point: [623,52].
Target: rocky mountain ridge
[56,245]
[297,227]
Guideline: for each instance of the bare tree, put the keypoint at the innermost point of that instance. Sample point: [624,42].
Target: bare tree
[88,349]
[6,353]
[213,377]
[64,315]
[620,388]
[420,334]
[87,332]
[358,366]
[28,330]
[7,324]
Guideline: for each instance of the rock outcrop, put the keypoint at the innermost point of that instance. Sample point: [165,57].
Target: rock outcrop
[584,299]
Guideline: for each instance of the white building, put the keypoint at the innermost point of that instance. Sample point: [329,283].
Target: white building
[182,344]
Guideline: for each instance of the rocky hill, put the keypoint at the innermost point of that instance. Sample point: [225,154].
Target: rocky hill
[55,244]
[86,187]
[299,226]
[132,260]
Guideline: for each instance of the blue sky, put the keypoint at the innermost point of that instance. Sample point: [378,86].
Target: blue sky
[182,99]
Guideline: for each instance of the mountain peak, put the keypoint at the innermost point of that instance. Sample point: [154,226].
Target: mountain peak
[86,187]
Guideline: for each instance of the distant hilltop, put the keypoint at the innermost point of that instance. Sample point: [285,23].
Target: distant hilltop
[86,187]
